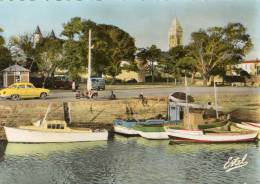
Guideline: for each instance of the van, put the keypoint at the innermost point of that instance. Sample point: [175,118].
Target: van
[98,83]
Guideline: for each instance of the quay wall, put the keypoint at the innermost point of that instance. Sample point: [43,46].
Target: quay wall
[85,113]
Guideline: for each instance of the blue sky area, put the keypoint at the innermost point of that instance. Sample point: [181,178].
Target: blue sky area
[148,21]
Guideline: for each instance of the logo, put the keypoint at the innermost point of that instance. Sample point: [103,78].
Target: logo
[234,163]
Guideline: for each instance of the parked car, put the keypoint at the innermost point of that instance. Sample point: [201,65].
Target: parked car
[63,82]
[21,90]
[98,83]
[58,82]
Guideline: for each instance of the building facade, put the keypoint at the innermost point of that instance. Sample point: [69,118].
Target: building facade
[175,34]
[251,66]
[15,74]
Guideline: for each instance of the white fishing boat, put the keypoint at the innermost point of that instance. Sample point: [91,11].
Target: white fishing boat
[53,132]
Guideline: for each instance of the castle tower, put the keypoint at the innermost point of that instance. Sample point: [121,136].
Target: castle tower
[175,34]
[37,36]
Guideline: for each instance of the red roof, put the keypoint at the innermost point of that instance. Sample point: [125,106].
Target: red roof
[252,61]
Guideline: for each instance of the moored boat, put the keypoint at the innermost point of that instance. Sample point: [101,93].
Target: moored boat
[152,129]
[125,127]
[217,137]
[249,126]
[194,121]
[52,132]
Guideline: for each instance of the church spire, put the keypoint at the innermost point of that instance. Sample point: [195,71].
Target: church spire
[175,34]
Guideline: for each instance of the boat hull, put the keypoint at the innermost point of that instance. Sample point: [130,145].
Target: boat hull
[180,131]
[249,126]
[213,137]
[125,131]
[18,135]
[154,135]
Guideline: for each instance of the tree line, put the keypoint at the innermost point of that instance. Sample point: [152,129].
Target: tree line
[210,52]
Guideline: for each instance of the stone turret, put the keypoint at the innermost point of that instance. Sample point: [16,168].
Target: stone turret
[52,35]
[175,34]
[37,36]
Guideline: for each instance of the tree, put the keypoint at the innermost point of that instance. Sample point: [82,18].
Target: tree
[218,46]
[145,60]
[174,61]
[49,57]
[23,51]
[5,55]
[111,46]
[153,56]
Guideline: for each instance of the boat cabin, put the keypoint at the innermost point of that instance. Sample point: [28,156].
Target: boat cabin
[55,125]
[175,112]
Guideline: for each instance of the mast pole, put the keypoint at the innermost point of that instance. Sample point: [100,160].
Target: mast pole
[186,98]
[89,84]
[216,99]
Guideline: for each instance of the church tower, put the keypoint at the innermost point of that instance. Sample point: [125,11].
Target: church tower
[37,36]
[175,34]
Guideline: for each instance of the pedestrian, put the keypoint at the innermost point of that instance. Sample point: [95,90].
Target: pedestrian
[73,86]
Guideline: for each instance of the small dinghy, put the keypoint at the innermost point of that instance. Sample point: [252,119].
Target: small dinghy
[217,137]
[180,97]
[249,126]
[125,127]
[152,129]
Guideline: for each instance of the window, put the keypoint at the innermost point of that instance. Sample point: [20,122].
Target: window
[61,126]
[21,86]
[13,86]
[49,126]
[58,126]
[53,126]
[258,70]
[29,86]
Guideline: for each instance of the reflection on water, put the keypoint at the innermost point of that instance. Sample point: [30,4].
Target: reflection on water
[126,161]
[45,149]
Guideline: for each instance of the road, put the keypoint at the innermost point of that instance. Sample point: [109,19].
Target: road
[67,95]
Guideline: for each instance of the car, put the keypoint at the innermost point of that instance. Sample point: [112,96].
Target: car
[21,90]
[98,83]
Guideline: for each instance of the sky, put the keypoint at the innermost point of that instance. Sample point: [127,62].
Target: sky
[148,21]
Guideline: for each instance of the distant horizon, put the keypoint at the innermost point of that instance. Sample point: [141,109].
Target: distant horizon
[147,21]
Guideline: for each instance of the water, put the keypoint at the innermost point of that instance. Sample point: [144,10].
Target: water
[126,161]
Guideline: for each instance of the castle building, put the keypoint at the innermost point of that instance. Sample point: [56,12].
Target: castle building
[37,36]
[175,34]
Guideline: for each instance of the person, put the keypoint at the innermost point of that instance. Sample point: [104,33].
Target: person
[112,96]
[73,86]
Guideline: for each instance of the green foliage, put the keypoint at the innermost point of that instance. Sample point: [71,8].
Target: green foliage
[23,51]
[215,48]
[176,62]
[111,46]
[5,55]
[5,58]
[49,56]
[2,40]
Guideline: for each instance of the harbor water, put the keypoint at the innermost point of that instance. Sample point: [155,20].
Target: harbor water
[127,161]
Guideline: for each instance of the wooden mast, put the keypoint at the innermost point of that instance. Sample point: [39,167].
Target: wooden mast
[89,83]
